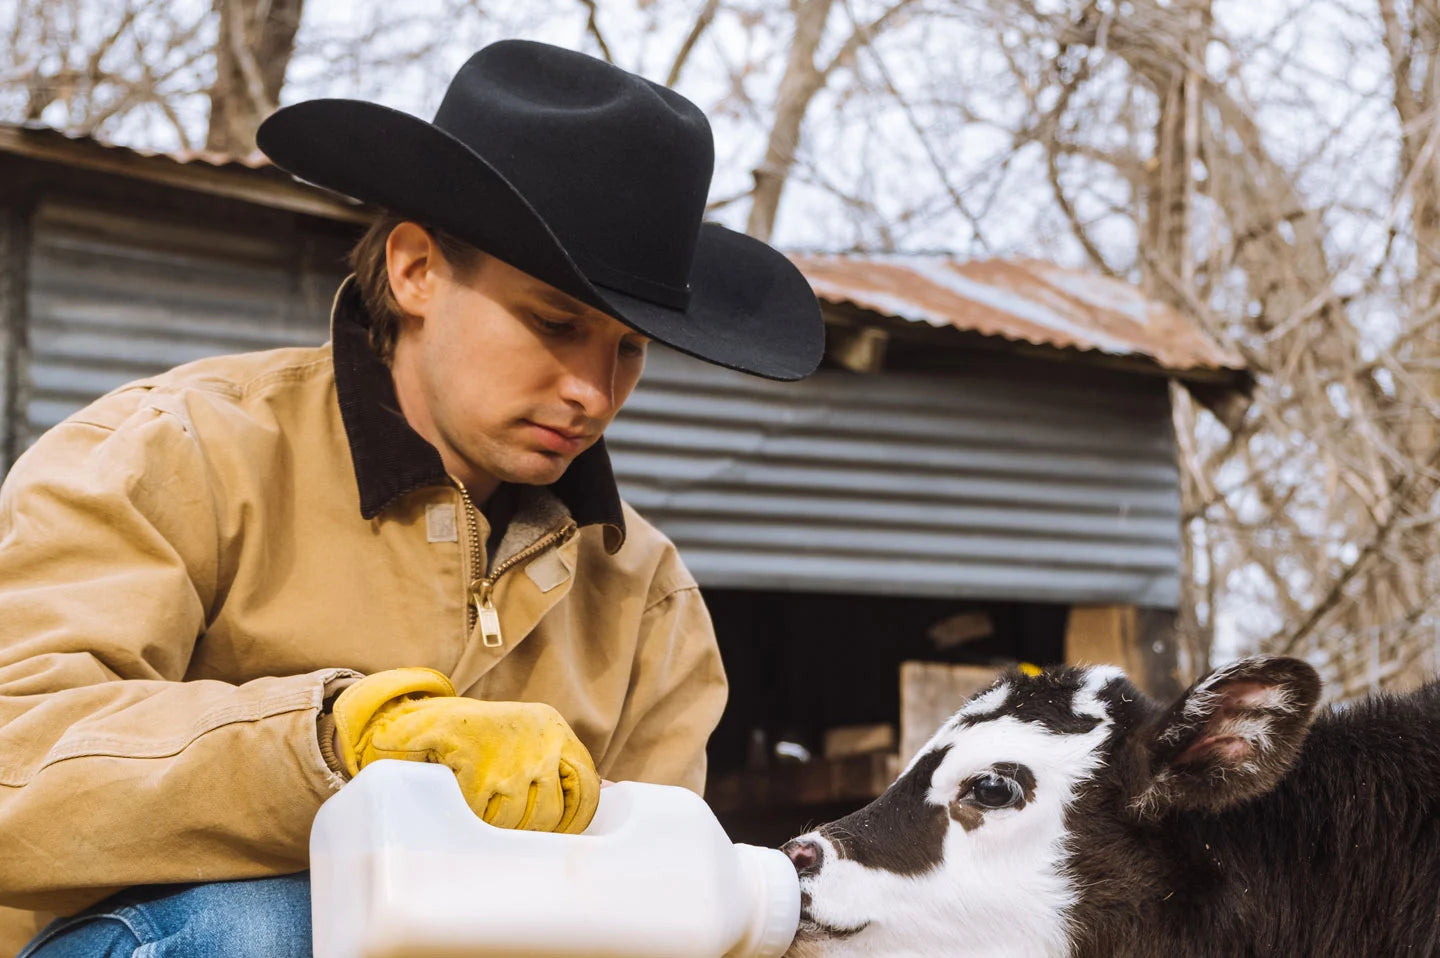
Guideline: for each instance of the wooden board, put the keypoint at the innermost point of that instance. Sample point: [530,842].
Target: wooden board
[930,692]
[846,740]
[1138,640]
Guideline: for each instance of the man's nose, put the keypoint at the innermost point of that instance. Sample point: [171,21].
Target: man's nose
[805,855]
[592,388]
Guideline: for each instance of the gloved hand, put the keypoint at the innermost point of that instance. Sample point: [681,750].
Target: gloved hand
[518,763]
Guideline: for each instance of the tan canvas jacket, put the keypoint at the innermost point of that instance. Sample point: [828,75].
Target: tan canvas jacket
[187,563]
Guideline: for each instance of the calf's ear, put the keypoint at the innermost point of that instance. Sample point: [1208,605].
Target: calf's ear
[1231,737]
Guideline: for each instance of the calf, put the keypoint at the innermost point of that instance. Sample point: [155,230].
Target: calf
[1069,814]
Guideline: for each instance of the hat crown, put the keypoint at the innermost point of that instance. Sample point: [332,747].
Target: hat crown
[617,166]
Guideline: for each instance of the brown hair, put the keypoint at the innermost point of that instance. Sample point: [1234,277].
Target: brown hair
[372,276]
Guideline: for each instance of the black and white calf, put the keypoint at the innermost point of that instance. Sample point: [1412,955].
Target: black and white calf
[1068,814]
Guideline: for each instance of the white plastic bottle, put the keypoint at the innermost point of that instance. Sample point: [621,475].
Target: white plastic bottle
[401,868]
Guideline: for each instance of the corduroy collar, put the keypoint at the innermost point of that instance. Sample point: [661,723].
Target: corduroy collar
[392,459]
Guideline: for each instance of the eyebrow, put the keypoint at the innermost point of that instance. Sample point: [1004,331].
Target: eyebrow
[559,300]
[564,301]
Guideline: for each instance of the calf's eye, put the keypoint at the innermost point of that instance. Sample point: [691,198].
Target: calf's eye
[994,791]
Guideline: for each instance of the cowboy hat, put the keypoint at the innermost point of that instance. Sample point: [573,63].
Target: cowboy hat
[582,175]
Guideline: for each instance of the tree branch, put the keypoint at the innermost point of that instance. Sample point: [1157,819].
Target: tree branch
[592,26]
[697,29]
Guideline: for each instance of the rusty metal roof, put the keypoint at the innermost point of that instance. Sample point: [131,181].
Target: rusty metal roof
[253,178]
[256,160]
[1023,300]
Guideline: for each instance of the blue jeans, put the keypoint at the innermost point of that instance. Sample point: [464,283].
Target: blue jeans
[260,918]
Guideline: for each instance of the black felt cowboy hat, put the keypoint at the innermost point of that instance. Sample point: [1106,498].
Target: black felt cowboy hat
[582,175]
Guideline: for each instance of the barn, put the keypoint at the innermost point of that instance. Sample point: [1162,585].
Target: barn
[983,471]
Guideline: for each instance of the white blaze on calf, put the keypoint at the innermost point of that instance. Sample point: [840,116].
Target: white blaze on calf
[1000,876]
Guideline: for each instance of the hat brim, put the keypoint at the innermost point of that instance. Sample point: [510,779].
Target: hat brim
[749,308]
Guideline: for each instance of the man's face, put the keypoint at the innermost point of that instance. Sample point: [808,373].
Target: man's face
[506,376]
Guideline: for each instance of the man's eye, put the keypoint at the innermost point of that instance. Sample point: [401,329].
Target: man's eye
[551,328]
[632,349]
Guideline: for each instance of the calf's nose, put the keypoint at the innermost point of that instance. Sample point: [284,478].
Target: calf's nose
[804,854]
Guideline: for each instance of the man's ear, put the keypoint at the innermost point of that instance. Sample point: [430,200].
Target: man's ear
[410,260]
[1231,737]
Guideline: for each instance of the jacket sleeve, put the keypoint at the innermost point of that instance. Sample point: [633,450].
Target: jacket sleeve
[678,692]
[114,770]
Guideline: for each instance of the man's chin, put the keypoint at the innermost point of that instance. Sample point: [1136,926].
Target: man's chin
[536,469]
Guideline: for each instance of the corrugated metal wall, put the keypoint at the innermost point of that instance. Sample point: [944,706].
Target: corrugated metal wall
[1011,479]
[14,228]
[117,296]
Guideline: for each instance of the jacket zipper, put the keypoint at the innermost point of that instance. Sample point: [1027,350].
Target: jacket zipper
[476,559]
[482,590]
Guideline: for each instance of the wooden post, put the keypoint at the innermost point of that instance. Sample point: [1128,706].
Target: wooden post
[1140,641]
[930,692]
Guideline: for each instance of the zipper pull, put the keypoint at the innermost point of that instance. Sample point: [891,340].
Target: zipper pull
[489,618]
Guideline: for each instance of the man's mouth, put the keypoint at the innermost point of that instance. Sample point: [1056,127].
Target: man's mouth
[558,439]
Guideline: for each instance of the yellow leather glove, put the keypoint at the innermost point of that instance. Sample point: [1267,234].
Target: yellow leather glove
[518,763]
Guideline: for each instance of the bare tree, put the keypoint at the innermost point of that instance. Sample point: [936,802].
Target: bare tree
[703,19]
[204,73]
[256,41]
[1315,512]
[803,78]
[1168,261]
[84,67]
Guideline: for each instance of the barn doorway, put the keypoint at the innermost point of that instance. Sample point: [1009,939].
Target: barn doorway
[815,683]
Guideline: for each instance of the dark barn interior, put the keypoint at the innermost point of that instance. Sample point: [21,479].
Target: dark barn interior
[800,664]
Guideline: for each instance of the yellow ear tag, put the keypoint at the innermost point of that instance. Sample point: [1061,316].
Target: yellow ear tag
[1030,669]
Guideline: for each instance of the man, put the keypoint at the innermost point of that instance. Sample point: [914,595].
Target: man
[225,590]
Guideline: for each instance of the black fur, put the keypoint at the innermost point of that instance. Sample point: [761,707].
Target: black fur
[1046,699]
[1226,824]
[1340,858]
[898,832]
